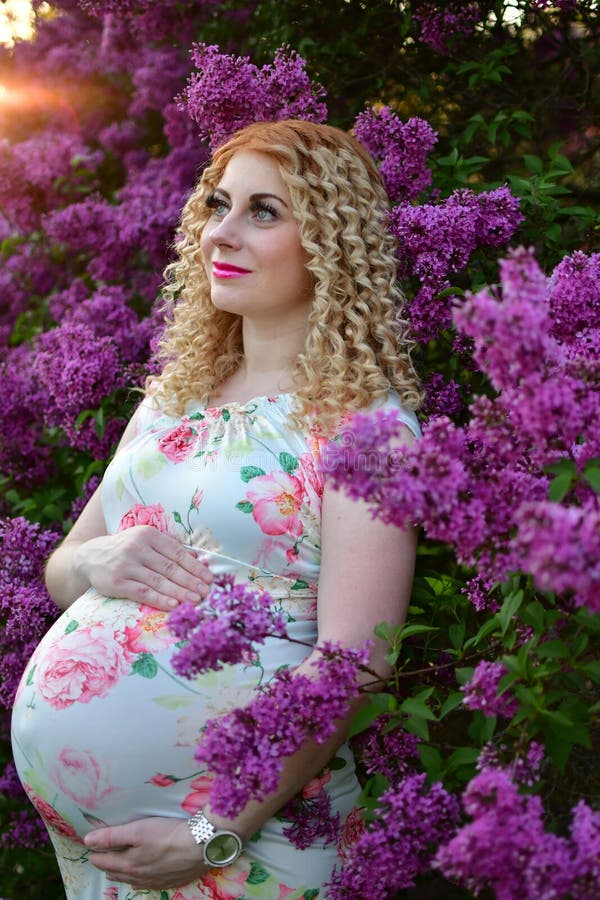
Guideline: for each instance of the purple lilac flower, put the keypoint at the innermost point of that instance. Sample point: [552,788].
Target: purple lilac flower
[78,369]
[24,829]
[524,766]
[387,749]
[26,610]
[574,295]
[401,149]
[311,818]
[560,546]
[224,627]
[481,692]
[229,92]
[441,24]
[23,456]
[244,748]
[398,846]
[437,240]
[506,850]
[442,397]
[35,175]
[585,836]
[544,411]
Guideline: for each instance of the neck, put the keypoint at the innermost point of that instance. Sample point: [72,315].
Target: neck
[271,353]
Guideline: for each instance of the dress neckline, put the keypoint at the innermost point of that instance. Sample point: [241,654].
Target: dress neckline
[238,404]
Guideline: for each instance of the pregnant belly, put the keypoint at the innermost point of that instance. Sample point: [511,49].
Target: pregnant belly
[104,730]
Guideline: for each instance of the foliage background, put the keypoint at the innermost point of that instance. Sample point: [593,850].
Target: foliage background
[95,163]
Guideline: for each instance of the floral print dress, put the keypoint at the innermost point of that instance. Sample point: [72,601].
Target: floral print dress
[104,730]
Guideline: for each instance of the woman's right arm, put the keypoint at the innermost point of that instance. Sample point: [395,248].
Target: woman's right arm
[140,564]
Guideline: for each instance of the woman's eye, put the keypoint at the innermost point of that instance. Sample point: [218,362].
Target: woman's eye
[217,205]
[263,212]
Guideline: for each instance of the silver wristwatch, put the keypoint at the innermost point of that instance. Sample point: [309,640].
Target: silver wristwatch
[219,848]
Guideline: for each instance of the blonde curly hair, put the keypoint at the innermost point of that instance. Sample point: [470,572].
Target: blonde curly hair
[356,346]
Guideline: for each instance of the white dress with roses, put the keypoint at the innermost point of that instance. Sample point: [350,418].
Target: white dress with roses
[104,730]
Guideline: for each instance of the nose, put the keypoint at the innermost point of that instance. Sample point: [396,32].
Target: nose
[225,232]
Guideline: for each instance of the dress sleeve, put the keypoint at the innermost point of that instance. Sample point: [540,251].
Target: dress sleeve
[393,402]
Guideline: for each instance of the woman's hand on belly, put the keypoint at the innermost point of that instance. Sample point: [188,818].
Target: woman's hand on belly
[155,853]
[145,565]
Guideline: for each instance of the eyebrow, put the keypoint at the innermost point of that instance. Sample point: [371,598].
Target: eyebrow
[259,196]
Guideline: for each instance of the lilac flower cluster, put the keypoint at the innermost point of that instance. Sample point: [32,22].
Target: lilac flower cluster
[387,749]
[401,149]
[398,846]
[229,92]
[437,240]
[441,24]
[223,628]
[245,748]
[77,369]
[481,692]
[544,411]
[311,818]
[442,397]
[26,610]
[560,546]
[38,174]
[506,849]
[24,458]
[524,766]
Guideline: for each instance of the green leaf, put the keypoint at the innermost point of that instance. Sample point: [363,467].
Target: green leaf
[560,486]
[299,585]
[176,516]
[145,665]
[451,702]
[226,415]
[382,630]
[509,608]
[464,674]
[416,706]
[533,163]
[592,670]
[553,650]
[258,874]
[244,506]
[30,675]
[464,756]
[431,759]
[409,630]
[288,462]
[591,473]
[249,472]
[72,626]
[378,705]
[456,633]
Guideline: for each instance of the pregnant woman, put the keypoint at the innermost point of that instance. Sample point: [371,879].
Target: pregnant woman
[283,320]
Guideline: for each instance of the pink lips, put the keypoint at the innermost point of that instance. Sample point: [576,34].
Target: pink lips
[226,270]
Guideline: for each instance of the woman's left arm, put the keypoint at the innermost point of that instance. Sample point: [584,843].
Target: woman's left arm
[366,577]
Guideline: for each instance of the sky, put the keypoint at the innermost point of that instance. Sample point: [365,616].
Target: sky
[15,20]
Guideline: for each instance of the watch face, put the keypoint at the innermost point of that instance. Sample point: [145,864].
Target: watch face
[222,849]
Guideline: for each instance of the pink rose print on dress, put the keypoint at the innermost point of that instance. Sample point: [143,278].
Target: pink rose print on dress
[111,893]
[152,514]
[352,829]
[315,786]
[162,780]
[229,884]
[81,665]
[51,817]
[149,634]
[79,776]
[181,442]
[276,500]
[198,797]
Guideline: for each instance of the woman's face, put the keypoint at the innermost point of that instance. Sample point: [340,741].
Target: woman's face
[250,245]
